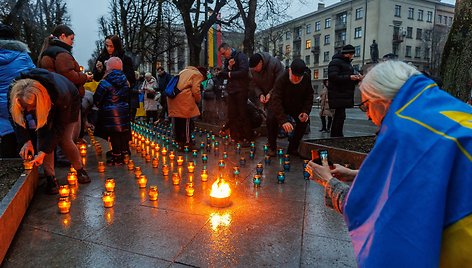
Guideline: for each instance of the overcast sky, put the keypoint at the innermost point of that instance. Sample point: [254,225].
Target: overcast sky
[84,15]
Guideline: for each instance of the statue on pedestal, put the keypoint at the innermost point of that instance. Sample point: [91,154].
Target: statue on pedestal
[374,52]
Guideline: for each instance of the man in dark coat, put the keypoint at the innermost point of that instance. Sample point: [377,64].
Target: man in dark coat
[236,71]
[264,71]
[163,79]
[292,97]
[342,82]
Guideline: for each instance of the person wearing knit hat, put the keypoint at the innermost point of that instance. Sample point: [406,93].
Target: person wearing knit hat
[112,100]
[342,80]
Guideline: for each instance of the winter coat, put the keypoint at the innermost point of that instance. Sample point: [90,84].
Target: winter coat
[58,58]
[238,80]
[14,59]
[340,87]
[127,67]
[324,104]
[134,94]
[263,82]
[65,108]
[150,87]
[290,99]
[163,80]
[184,105]
[111,99]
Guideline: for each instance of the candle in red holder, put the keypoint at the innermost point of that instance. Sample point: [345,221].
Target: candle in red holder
[175,178]
[131,164]
[126,159]
[137,172]
[191,167]
[189,190]
[164,151]
[64,190]
[142,181]
[171,155]
[72,178]
[165,170]
[180,160]
[155,162]
[108,199]
[64,205]
[110,185]
[153,193]
[101,167]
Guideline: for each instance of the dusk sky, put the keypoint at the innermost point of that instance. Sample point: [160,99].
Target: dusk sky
[84,15]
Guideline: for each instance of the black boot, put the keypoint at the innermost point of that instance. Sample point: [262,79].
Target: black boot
[52,188]
[82,176]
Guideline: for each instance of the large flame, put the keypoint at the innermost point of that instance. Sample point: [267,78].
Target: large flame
[220,189]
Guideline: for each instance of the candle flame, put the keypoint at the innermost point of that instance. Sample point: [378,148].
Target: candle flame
[220,189]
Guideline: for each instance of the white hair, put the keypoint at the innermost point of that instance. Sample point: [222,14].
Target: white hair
[385,79]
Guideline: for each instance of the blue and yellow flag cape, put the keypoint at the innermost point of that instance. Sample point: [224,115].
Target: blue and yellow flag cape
[411,203]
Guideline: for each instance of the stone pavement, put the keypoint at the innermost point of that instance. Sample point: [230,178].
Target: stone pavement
[275,225]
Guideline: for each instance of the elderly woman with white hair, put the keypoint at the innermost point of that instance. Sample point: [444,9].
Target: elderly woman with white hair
[410,204]
[149,88]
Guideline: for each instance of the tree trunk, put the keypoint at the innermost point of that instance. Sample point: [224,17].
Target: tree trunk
[457,54]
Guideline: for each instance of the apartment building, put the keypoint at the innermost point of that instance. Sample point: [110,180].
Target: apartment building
[414,30]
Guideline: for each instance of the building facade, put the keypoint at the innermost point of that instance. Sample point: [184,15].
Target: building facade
[414,30]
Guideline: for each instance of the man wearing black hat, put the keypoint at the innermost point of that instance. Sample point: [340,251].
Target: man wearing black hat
[342,81]
[264,71]
[292,96]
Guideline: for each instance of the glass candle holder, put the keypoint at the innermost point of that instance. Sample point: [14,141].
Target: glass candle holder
[108,199]
[251,155]
[165,170]
[130,164]
[225,155]
[110,185]
[101,167]
[253,144]
[194,153]
[63,205]
[267,160]
[204,158]
[236,171]
[189,190]
[190,167]
[257,179]
[137,172]
[202,145]
[280,177]
[221,163]
[171,155]
[186,149]
[64,191]
[83,152]
[72,178]
[265,148]
[280,152]
[142,181]
[242,161]
[259,169]
[164,151]
[153,193]
[155,162]
[286,166]
[180,160]
[126,159]
[204,175]
[175,178]
[286,157]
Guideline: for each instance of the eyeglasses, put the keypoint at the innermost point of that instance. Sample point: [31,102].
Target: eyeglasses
[362,106]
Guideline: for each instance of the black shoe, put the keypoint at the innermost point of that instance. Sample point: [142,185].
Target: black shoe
[52,188]
[322,130]
[82,176]
[272,153]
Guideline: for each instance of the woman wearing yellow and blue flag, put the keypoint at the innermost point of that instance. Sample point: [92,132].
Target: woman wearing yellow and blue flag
[410,204]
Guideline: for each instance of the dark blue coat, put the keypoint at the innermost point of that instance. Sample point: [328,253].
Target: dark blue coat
[111,98]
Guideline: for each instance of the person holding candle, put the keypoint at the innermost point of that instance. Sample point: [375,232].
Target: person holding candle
[55,104]
[111,98]
[411,201]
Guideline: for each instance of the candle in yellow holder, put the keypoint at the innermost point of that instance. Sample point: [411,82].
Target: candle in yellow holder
[175,178]
[142,181]
[64,205]
[28,164]
[83,146]
[72,178]
[101,167]
[153,145]
[108,199]
[153,193]
[126,159]
[137,172]
[191,167]
[64,190]
[204,175]
[155,162]
[180,160]
[189,190]
[165,170]
[110,185]
[171,155]
[130,164]
[164,151]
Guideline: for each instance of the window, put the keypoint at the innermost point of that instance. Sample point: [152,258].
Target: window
[342,18]
[288,35]
[357,51]
[426,53]
[316,74]
[317,26]
[439,19]
[429,16]
[411,13]
[358,32]
[326,56]
[419,34]
[427,35]
[327,39]
[298,32]
[287,49]
[307,60]
[398,11]
[417,52]
[359,13]
[308,44]
[409,32]
[308,28]
[408,52]
[325,72]
[327,23]
[420,14]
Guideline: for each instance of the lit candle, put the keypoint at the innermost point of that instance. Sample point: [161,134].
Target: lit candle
[186,149]
[83,146]
[189,190]
[148,158]
[286,165]
[142,181]
[221,163]
[101,167]
[180,160]
[242,161]
[236,171]
[108,199]
[72,169]
[83,152]
[267,160]
[138,148]
[204,175]
[155,162]
[280,152]
[131,164]
[64,205]
[153,193]
[204,158]
[191,167]
[259,168]
[175,178]
[28,164]
[194,153]
[165,170]
[281,177]
[110,185]
[164,151]
[143,154]
[251,155]
[257,180]
[202,145]
[72,178]
[126,159]
[64,190]
[137,172]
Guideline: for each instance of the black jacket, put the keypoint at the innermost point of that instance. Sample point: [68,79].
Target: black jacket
[163,80]
[290,99]
[263,82]
[239,80]
[127,67]
[340,86]
[65,108]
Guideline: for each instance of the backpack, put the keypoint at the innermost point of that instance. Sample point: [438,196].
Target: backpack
[171,90]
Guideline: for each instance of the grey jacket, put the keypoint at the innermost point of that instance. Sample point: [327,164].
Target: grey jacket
[263,82]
